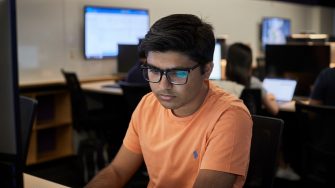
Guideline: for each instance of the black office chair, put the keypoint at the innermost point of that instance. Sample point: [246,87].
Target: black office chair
[252,98]
[317,128]
[27,115]
[97,120]
[104,128]
[266,136]
[133,93]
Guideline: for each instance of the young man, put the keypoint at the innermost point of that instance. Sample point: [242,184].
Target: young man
[189,132]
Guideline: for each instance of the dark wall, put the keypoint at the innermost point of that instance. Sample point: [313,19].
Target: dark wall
[327,3]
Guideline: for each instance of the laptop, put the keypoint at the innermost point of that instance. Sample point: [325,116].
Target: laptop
[282,89]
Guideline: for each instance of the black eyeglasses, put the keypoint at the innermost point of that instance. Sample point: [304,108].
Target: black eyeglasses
[174,76]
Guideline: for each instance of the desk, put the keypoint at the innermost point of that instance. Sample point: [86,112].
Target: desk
[287,107]
[98,87]
[290,106]
[24,84]
[35,182]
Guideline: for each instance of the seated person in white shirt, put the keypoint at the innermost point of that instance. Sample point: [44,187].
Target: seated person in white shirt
[239,70]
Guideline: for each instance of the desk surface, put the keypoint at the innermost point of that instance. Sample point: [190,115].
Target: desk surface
[98,87]
[290,106]
[34,182]
[287,107]
[41,83]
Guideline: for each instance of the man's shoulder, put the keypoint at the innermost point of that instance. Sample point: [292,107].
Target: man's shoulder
[221,100]
[227,106]
[149,101]
[229,87]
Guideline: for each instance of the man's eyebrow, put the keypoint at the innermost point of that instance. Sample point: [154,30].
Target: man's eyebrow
[175,68]
[152,66]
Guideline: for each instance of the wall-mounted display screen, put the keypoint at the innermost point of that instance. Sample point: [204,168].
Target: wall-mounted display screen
[274,30]
[106,27]
[216,72]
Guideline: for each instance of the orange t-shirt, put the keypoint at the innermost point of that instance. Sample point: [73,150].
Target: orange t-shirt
[216,137]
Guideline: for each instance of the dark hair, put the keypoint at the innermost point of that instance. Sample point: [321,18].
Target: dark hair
[239,59]
[183,33]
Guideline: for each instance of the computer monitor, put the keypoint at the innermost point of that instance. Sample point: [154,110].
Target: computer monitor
[274,30]
[10,147]
[106,27]
[127,57]
[223,46]
[217,69]
[300,62]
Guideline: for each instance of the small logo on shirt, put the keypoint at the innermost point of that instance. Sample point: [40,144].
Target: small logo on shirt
[195,154]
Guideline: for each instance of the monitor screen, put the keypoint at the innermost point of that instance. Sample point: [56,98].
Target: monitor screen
[274,30]
[127,58]
[106,27]
[282,89]
[216,72]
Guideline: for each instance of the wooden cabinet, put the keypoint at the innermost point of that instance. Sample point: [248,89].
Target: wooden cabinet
[52,134]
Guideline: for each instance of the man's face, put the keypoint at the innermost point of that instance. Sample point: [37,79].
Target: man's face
[185,99]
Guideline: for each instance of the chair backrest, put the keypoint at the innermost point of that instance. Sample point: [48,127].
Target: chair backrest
[133,93]
[252,98]
[317,128]
[27,115]
[78,101]
[266,136]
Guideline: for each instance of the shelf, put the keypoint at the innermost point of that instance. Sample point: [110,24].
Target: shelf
[52,134]
[51,124]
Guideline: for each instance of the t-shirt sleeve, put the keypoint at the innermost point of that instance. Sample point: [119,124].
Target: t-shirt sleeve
[132,139]
[228,146]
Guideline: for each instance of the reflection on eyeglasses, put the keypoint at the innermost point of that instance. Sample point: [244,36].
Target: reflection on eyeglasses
[174,76]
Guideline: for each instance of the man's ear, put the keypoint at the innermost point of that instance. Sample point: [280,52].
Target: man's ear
[208,69]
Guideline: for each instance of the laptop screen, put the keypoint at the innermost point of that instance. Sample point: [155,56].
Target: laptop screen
[282,89]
